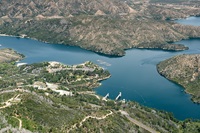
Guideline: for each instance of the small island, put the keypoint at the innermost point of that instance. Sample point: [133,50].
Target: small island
[185,71]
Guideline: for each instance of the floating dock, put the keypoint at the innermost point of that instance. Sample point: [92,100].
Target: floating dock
[117,98]
[105,98]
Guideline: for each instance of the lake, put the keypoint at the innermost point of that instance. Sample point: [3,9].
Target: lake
[134,75]
[190,21]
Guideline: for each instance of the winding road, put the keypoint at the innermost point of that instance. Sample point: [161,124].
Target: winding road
[20,122]
[87,117]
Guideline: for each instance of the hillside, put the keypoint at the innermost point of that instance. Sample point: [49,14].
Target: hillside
[9,55]
[53,97]
[184,70]
[103,26]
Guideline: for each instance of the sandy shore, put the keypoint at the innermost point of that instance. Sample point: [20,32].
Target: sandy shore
[4,35]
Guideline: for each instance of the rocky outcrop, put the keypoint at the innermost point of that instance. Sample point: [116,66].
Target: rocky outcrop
[184,70]
[9,55]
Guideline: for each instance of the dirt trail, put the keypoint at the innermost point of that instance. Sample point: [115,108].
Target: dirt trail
[90,93]
[11,101]
[20,122]
[87,117]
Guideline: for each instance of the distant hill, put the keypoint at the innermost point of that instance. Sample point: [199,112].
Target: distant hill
[103,26]
[33,8]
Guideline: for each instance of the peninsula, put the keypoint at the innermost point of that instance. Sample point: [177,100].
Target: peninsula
[184,70]
[9,55]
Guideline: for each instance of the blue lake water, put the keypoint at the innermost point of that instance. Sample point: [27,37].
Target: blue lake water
[134,75]
[190,21]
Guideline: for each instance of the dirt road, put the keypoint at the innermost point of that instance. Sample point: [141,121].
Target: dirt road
[136,122]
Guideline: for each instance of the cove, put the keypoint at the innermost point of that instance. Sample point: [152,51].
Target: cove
[195,21]
[134,75]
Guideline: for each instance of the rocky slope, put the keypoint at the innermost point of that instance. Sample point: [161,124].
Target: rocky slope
[9,55]
[37,8]
[184,70]
[103,26]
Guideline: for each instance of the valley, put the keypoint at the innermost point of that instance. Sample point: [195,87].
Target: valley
[46,86]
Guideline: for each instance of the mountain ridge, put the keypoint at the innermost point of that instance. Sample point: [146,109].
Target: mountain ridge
[107,27]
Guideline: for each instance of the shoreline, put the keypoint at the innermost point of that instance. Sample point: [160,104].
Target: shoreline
[109,56]
[99,53]
[23,37]
[184,88]
[119,55]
